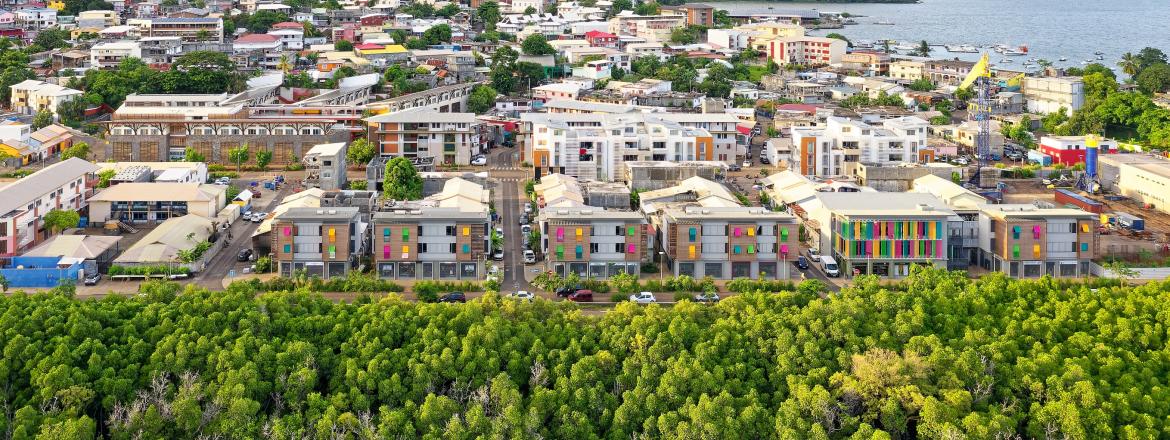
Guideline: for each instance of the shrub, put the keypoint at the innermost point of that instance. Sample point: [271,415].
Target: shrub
[154,269]
[492,284]
[681,283]
[624,283]
[682,296]
[597,286]
[617,298]
[427,287]
[650,267]
[746,285]
[263,264]
[428,297]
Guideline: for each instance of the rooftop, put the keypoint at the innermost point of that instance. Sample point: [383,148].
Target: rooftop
[77,246]
[155,191]
[322,214]
[17,194]
[163,243]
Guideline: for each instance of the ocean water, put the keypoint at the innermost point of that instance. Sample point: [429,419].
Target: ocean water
[1074,29]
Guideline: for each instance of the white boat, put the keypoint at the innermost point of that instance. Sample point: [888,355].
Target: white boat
[1063,58]
[1014,52]
[884,23]
[1006,61]
[962,48]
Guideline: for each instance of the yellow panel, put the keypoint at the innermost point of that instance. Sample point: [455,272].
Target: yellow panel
[466,231]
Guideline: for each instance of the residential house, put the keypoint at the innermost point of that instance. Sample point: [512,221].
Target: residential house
[593,242]
[152,202]
[325,166]
[417,132]
[446,236]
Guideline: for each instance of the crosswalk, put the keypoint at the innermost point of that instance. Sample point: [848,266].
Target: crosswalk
[509,179]
[507,169]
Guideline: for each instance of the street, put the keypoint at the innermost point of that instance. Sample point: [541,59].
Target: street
[509,197]
[241,232]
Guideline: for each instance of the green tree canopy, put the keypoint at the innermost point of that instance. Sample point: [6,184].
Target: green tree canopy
[482,99]
[343,45]
[79,150]
[537,44]
[437,35]
[401,181]
[42,119]
[58,220]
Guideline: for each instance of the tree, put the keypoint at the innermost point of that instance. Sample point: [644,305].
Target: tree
[647,8]
[922,85]
[4,283]
[42,119]
[239,155]
[104,177]
[343,45]
[192,155]
[530,11]
[1154,79]
[529,73]
[204,71]
[840,37]
[619,6]
[482,99]
[79,150]
[964,95]
[1150,56]
[923,49]
[58,220]
[437,35]
[261,21]
[537,45]
[489,13]
[263,158]
[401,181]
[683,35]
[722,19]
[1130,64]
[449,10]
[360,152]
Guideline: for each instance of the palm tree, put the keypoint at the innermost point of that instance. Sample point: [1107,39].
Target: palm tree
[284,65]
[886,46]
[923,49]
[1130,64]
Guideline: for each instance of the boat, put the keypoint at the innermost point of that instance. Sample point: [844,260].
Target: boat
[1100,58]
[884,23]
[1098,53]
[961,48]
[1063,58]
[1006,61]
[1014,53]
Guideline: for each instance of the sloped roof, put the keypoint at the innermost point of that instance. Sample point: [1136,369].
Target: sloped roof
[77,246]
[17,194]
[463,194]
[310,198]
[162,245]
[258,38]
[954,195]
[150,191]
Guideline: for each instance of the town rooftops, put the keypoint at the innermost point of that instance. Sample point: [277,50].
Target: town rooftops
[1022,210]
[164,242]
[954,195]
[729,213]
[154,191]
[318,214]
[418,212]
[423,115]
[583,213]
[188,20]
[17,194]
[868,204]
[257,38]
[86,247]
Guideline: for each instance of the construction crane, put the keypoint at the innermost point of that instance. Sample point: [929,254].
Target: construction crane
[980,77]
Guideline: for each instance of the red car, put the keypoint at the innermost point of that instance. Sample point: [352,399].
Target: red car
[581,296]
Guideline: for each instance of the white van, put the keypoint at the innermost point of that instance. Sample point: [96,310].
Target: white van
[829,265]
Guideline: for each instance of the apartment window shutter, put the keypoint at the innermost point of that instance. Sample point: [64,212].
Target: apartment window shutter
[691,251]
[386,251]
[467,249]
[1015,251]
[288,248]
[466,231]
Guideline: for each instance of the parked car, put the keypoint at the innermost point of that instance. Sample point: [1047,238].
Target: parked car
[498,255]
[523,295]
[527,208]
[525,229]
[453,297]
[747,163]
[92,279]
[566,291]
[524,219]
[764,160]
[643,297]
[529,257]
[244,255]
[581,296]
[733,167]
[223,181]
[479,160]
[707,297]
[500,231]
[814,254]
[801,263]
[258,217]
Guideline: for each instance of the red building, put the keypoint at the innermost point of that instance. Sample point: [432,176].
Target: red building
[601,39]
[1070,150]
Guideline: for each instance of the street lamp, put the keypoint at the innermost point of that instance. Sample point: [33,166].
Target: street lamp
[661,264]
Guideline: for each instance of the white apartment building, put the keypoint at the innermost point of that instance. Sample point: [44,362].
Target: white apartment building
[32,96]
[595,146]
[109,55]
[1050,94]
[810,51]
[828,150]
[290,39]
[24,203]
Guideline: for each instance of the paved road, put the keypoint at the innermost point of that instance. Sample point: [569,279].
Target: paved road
[509,178]
[241,231]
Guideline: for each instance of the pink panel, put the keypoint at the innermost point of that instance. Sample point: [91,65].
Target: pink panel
[631,248]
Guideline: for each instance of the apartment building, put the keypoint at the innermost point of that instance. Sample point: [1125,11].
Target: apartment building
[156,128]
[109,55]
[194,29]
[828,150]
[325,166]
[24,203]
[593,242]
[31,96]
[1025,241]
[1143,177]
[884,234]
[804,50]
[697,14]
[728,242]
[869,63]
[907,70]
[446,236]
[1050,94]
[451,138]
[153,202]
[652,28]
[323,242]
[947,72]
[595,145]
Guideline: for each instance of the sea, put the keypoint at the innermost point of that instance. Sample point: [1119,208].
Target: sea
[1051,29]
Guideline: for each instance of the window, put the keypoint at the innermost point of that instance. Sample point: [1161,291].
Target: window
[451,248]
[1084,247]
[580,252]
[594,248]
[1016,232]
[332,251]
[288,248]
[405,251]
[385,234]
[467,249]
[422,248]
[451,231]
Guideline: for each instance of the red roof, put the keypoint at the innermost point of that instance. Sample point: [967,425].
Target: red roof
[288,25]
[257,38]
[368,46]
[744,129]
[599,34]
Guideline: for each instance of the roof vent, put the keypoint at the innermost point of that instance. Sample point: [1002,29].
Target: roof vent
[332,211]
[924,207]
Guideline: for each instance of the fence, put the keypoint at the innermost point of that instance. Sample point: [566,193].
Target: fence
[39,272]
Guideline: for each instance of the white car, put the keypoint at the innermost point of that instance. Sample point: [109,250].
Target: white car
[526,229]
[529,257]
[523,295]
[747,164]
[500,231]
[479,160]
[814,254]
[643,298]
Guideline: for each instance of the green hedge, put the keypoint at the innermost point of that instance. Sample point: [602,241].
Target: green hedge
[427,287]
[745,285]
[156,269]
